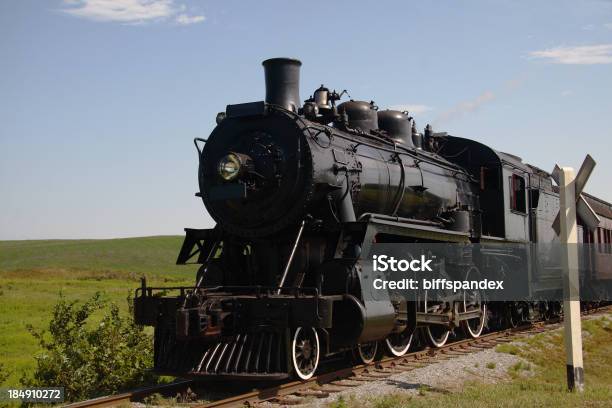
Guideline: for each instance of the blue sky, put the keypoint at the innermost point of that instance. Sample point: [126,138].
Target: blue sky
[100,99]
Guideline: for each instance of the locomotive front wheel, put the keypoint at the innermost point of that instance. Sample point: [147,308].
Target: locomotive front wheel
[398,343]
[305,352]
[436,335]
[366,353]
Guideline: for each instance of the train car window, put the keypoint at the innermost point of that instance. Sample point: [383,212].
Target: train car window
[517,193]
[534,198]
[599,240]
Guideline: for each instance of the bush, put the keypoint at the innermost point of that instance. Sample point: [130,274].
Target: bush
[3,374]
[91,359]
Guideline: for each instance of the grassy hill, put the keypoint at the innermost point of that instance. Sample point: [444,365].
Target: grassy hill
[33,273]
[149,255]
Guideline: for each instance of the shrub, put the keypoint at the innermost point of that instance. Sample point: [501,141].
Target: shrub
[4,375]
[91,358]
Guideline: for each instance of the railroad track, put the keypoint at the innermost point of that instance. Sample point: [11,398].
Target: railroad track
[137,394]
[325,384]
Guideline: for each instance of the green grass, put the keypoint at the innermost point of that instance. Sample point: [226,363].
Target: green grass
[538,381]
[121,257]
[33,273]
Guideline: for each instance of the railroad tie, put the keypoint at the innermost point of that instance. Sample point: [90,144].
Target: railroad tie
[483,346]
[312,393]
[470,349]
[426,361]
[376,374]
[440,357]
[345,383]
[394,370]
[411,366]
[332,389]
[454,353]
[288,400]
[359,378]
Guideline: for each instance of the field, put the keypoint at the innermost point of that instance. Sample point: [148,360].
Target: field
[33,273]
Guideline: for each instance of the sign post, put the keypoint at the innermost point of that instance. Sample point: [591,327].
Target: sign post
[571,291]
[571,202]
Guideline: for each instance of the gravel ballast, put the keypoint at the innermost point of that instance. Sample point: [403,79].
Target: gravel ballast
[487,366]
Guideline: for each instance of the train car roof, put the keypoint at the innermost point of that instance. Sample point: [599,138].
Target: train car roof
[513,160]
[601,207]
[598,205]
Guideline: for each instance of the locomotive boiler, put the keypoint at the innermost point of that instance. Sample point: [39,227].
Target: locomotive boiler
[299,192]
[265,167]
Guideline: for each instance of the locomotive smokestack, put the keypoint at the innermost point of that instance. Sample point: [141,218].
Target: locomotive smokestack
[283,82]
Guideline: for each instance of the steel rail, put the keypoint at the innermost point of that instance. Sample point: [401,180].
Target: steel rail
[383,368]
[370,371]
[127,397]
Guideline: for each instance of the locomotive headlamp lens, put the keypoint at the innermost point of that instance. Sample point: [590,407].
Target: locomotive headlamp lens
[229,167]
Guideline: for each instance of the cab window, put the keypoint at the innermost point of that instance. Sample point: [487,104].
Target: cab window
[517,194]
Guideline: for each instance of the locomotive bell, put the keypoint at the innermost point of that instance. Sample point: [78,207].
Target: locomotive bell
[283,82]
[397,125]
[321,97]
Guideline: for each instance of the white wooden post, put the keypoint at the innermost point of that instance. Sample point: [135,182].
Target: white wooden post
[571,304]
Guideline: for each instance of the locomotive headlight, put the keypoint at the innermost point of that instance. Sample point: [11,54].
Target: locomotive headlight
[229,167]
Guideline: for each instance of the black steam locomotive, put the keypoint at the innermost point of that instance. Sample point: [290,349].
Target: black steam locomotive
[299,193]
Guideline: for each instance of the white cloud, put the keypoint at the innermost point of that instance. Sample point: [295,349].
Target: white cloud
[130,11]
[567,92]
[583,55]
[608,26]
[184,19]
[464,107]
[412,109]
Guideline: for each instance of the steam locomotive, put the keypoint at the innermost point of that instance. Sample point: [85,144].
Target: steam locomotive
[299,192]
